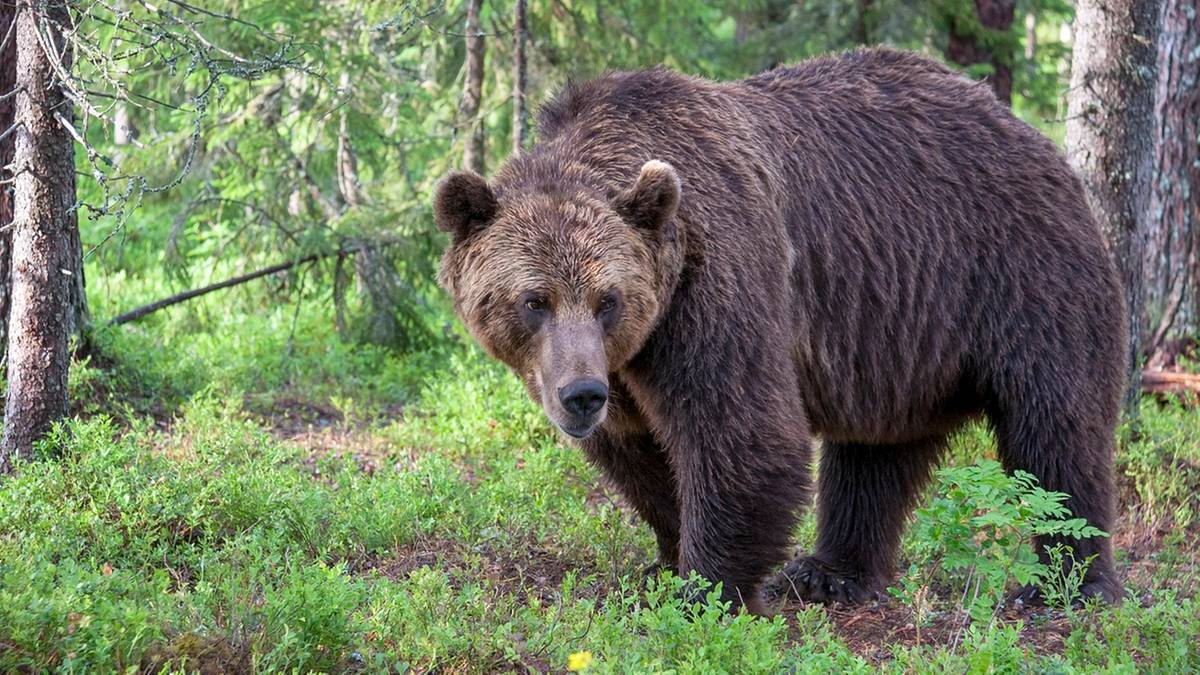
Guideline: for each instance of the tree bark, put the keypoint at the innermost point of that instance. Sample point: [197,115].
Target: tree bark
[520,130]
[965,49]
[473,90]
[46,270]
[1110,136]
[1172,261]
[8,84]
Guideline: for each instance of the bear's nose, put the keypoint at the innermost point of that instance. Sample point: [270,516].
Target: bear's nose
[583,397]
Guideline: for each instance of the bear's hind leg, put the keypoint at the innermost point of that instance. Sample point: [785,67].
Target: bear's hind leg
[1072,454]
[864,495]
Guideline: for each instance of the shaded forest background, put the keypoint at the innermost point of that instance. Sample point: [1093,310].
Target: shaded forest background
[309,134]
[244,432]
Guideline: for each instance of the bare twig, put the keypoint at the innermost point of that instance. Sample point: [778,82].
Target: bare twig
[92,152]
[12,29]
[10,130]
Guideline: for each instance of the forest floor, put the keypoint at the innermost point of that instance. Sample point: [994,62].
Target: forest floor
[244,492]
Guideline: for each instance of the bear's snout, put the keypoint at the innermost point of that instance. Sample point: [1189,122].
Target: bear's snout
[583,397]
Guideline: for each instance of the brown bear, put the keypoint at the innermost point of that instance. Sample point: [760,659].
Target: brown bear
[694,278]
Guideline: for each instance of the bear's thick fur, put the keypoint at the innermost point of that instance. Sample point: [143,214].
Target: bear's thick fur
[698,277]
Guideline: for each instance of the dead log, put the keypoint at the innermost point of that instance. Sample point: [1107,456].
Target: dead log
[1170,382]
[135,314]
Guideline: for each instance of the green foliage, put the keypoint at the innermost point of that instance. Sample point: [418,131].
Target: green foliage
[288,128]
[314,472]
[982,524]
[1164,464]
[984,649]
[1133,638]
[1064,577]
[460,536]
[661,632]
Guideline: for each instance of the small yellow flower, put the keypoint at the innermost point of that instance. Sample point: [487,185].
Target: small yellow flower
[579,661]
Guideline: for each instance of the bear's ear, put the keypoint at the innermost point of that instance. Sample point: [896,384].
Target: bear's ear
[651,202]
[463,203]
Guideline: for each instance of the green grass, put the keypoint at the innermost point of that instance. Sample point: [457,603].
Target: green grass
[437,524]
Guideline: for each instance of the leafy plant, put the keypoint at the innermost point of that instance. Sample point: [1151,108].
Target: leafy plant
[1061,586]
[980,531]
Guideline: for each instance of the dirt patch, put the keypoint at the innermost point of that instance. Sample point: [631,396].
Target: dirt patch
[513,568]
[872,631]
[287,417]
[433,553]
[99,380]
[324,434]
[1145,543]
[198,653]
[368,450]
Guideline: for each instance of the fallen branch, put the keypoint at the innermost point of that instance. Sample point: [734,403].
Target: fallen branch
[135,314]
[1162,382]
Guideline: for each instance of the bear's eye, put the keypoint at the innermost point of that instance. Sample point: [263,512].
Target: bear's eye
[608,304]
[536,304]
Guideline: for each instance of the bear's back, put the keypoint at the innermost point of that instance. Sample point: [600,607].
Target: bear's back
[919,226]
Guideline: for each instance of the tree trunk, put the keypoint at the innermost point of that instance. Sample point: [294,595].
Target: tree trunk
[46,274]
[473,91]
[347,160]
[1110,135]
[965,49]
[1030,37]
[8,83]
[520,128]
[862,22]
[1173,243]
[122,127]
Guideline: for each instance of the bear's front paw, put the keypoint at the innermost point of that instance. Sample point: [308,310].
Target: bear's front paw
[1108,590]
[811,580]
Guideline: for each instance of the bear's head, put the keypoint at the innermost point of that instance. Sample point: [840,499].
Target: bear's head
[562,285]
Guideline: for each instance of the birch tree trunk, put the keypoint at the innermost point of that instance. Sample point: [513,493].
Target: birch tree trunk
[347,160]
[48,305]
[1110,136]
[473,90]
[1173,243]
[520,130]
[1030,36]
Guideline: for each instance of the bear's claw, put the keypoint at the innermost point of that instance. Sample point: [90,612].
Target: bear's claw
[811,580]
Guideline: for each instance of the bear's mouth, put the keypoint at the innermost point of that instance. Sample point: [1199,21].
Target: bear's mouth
[580,429]
[578,433]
